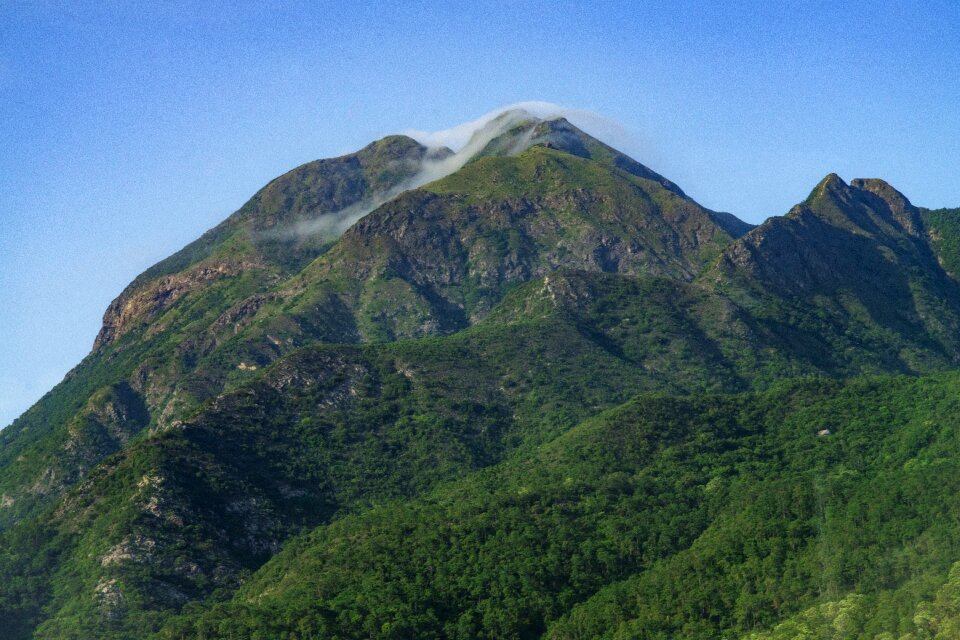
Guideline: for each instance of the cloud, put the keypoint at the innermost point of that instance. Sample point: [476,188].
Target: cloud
[466,140]
[331,224]
[596,125]
[479,133]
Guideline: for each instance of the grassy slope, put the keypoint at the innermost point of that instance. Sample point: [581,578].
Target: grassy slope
[166,349]
[412,414]
[436,259]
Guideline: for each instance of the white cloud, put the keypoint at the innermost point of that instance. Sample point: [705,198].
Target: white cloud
[466,140]
[479,133]
[456,137]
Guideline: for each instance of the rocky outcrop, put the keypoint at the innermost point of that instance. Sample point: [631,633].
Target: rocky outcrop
[891,202]
[138,306]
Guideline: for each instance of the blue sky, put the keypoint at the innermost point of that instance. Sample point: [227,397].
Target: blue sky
[129,128]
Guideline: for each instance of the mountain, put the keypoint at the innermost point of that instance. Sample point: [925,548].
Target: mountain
[428,261]
[149,335]
[853,267]
[523,389]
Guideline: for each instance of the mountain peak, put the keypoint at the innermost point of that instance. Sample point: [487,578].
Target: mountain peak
[832,181]
[831,188]
[841,233]
[516,130]
[867,205]
[515,114]
[245,394]
[397,142]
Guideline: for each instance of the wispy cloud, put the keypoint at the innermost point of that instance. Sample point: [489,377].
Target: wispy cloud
[456,137]
[466,140]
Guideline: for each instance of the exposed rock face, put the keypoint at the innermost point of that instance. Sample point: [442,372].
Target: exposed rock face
[138,549]
[906,216]
[110,599]
[457,250]
[141,305]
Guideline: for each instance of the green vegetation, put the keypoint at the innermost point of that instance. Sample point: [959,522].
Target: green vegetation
[943,229]
[546,396]
[707,517]
[181,308]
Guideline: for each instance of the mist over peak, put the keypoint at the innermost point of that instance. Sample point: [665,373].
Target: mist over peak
[458,136]
[506,131]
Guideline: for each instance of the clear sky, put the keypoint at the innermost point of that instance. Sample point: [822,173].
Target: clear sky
[128,128]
